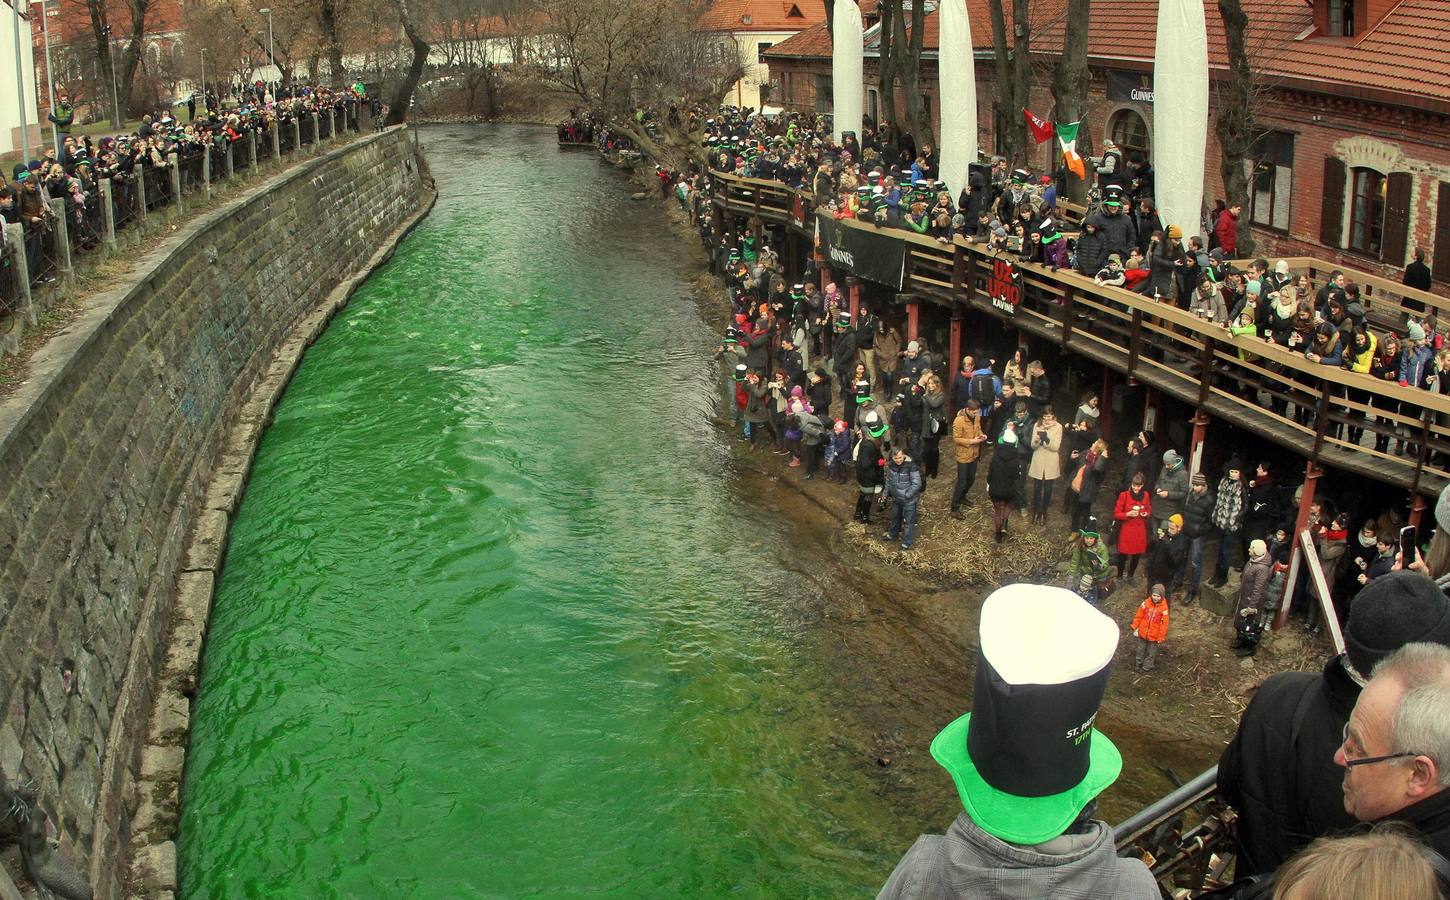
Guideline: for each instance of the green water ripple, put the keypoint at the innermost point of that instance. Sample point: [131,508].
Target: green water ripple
[495,621]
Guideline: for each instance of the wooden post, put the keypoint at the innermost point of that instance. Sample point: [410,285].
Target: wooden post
[913,317]
[251,154]
[826,276]
[231,161]
[62,236]
[296,135]
[1200,422]
[955,345]
[1417,510]
[853,287]
[108,213]
[1150,409]
[206,172]
[1306,499]
[1135,344]
[331,124]
[1069,313]
[139,174]
[276,130]
[959,268]
[317,135]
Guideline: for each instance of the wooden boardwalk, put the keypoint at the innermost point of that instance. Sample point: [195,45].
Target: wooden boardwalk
[1164,347]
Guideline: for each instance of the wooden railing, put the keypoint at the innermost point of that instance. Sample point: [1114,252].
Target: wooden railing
[1309,407]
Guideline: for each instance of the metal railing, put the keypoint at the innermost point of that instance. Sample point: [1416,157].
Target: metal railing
[77,228]
[1186,838]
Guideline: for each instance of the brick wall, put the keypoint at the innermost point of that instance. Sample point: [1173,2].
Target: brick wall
[103,454]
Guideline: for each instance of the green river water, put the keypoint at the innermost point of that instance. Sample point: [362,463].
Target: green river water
[500,617]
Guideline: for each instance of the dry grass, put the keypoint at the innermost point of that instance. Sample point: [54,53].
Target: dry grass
[963,552]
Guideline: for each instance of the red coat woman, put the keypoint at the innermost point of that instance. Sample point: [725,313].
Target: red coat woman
[1133,511]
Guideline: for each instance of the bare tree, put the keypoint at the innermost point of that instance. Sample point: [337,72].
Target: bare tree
[626,59]
[1070,83]
[1234,122]
[403,97]
[1013,75]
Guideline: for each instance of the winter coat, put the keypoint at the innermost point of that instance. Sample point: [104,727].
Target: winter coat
[838,446]
[1278,772]
[1166,558]
[1092,479]
[903,481]
[1092,253]
[757,350]
[1198,514]
[1150,622]
[1133,532]
[1228,505]
[868,463]
[1118,232]
[1162,277]
[966,428]
[1175,482]
[1046,461]
[1088,561]
[1254,580]
[1004,472]
[757,407]
[969,862]
[1261,509]
[1226,230]
[934,409]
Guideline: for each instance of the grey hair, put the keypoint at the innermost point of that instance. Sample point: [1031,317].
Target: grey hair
[1422,721]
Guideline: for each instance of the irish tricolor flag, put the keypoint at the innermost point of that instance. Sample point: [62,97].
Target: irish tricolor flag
[1067,137]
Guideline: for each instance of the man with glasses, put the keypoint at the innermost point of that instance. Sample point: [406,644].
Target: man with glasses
[1395,741]
[1279,771]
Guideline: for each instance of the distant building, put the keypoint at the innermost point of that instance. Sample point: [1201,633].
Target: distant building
[11,94]
[749,28]
[1354,161]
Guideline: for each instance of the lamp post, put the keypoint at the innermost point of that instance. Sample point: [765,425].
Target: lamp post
[115,88]
[20,84]
[271,57]
[49,72]
[204,108]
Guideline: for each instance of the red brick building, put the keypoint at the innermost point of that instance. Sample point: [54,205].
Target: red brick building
[1354,164]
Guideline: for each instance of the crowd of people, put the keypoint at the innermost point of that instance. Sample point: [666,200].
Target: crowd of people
[72,171]
[1336,777]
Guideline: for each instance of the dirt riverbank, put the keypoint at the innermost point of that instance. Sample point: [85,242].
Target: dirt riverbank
[910,636]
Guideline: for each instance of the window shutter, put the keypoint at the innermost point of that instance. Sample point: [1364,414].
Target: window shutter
[1441,260]
[1331,215]
[1397,218]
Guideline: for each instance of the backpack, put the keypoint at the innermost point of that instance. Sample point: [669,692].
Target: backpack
[983,389]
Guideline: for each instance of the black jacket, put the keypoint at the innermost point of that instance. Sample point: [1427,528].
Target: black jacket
[1119,233]
[757,350]
[1004,472]
[868,464]
[1166,558]
[1092,253]
[1197,510]
[1279,770]
[1261,510]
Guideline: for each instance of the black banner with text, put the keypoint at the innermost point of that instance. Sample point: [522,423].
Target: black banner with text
[866,252]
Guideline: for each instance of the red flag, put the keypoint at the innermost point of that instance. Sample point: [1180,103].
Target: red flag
[1041,128]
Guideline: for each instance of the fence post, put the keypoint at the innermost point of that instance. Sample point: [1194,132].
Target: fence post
[316,136]
[62,235]
[15,240]
[331,123]
[108,213]
[276,130]
[173,163]
[251,153]
[206,172]
[296,135]
[231,161]
[138,174]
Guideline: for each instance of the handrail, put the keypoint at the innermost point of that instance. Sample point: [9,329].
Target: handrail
[1144,820]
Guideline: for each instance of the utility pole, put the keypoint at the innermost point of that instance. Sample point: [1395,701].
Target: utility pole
[204,107]
[20,84]
[49,73]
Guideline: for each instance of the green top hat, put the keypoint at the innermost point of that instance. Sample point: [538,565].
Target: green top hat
[1027,759]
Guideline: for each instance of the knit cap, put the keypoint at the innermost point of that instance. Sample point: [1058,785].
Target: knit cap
[1393,610]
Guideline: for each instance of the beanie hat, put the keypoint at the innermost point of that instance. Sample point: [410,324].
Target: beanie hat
[1393,610]
[1175,232]
[1171,458]
[1176,519]
[1257,548]
[913,347]
[1254,288]
[1200,478]
[1415,332]
[1442,510]
[1281,267]
[1115,258]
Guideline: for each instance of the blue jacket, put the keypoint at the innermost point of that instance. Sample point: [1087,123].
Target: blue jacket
[838,446]
[1415,365]
[903,482]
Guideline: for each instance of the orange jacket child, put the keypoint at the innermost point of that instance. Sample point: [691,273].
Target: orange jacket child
[1151,621]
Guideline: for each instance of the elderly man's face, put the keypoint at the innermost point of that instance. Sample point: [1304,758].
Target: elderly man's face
[1374,791]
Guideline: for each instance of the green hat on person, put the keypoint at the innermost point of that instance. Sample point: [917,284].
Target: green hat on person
[874,426]
[1027,759]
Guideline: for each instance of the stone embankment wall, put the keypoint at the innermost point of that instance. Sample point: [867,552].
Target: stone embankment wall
[106,452]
